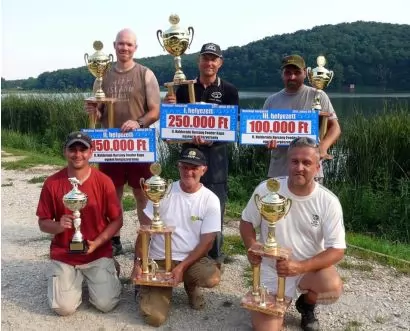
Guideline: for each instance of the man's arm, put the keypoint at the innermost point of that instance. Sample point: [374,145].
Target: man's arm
[52,227]
[332,134]
[153,99]
[112,228]
[248,235]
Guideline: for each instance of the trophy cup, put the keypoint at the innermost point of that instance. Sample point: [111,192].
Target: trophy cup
[98,64]
[272,207]
[155,188]
[176,41]
[75,200]
[320,78]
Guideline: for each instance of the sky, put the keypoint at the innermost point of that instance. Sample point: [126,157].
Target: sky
[47,35]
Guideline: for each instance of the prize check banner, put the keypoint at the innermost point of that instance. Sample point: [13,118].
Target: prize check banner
[112,145]
[210,121]
[258,127]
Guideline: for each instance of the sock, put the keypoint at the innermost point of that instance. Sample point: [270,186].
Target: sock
[116,240]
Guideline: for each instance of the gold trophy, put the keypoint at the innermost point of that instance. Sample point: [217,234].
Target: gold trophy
[320,78]
[176,41]
[98,64]
[273,207]
[155,188]
[75,200]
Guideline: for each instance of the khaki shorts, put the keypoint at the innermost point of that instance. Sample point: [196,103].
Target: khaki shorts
[155,301]
[65,285]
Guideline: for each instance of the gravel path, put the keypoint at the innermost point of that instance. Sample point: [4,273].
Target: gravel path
[373,300]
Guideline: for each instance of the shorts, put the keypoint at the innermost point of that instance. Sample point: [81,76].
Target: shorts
[65,285]
[269,278]
[123,173]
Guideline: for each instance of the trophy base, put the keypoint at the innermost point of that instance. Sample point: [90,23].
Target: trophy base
[152,230]
[78,247]
[162,279]
[272,306]
[277,253]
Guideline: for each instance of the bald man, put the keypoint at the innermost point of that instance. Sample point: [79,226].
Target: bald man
[137,91]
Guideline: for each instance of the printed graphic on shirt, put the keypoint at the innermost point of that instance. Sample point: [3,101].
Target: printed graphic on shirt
[196,218]
[315,221]
[121,88]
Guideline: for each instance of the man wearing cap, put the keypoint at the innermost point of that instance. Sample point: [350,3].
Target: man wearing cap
[296,95]
[210,88]
[101,218]
[195,212]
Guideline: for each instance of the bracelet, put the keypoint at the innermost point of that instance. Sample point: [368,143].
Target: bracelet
[138,259]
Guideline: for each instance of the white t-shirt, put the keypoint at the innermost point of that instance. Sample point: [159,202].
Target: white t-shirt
[313,224]
[192,214]
[300,100]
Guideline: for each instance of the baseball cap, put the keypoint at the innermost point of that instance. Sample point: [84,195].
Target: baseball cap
[294,60]
[78,137]
[193,156]
[211,48]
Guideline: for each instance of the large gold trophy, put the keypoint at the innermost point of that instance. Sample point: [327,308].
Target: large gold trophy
[155,188]
[320,78]
[98,64]
[75,200]
[176,41]
[273,207]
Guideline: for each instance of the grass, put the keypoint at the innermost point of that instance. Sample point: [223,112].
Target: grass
[7,184]
[353,326]
[356,266]
[30,160]
[128,202]
[37,179]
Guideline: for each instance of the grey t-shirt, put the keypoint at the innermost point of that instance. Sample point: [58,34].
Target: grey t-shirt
[300,100]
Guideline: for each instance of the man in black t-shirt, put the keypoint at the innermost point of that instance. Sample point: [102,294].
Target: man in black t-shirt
[210,88]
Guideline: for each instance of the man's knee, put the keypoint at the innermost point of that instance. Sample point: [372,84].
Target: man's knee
[155,319]
[155,305]
[64,309]
[213,281]
[105,304]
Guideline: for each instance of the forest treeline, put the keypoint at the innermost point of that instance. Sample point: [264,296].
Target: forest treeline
[373,56]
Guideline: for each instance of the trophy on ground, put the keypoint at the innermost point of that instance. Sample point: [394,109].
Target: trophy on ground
[98,64]
[320,78]
[272,207]
[176,41]
[155,188]
[75,200]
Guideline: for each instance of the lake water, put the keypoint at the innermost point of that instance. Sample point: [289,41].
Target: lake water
[344,104]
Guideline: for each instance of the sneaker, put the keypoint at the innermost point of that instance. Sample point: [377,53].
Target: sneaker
[195,297]
[117,249]
[309,321]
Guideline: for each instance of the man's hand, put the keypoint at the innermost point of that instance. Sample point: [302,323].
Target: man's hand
[198,140]
[136,271]
[178,274]
[253,258]
[129,126]
[288,268]
[170,98]
[66,222]
[272,144]
[324,113]
[323,154]
[91,246]
[91,107]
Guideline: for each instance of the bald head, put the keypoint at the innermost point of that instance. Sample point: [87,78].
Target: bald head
[126,34]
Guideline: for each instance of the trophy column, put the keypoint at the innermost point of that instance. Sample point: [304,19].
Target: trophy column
[320,78]
[155,188]
[98,64]
[176,41]
[273,207]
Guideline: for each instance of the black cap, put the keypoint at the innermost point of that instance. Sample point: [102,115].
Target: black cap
[78,137]
[211,48]
[193,156]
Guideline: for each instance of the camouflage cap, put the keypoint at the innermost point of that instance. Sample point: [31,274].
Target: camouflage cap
[294,60]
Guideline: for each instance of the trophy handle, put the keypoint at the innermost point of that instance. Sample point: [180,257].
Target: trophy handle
[111,58]
[257,201]
[331,74]
[159,35]
[191,33]
[309,74]
[86,59]
[288,205]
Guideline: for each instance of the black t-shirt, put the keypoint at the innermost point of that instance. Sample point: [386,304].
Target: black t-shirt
[220,92]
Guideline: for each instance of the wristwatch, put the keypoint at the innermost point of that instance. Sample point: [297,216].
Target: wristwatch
[138,260]
[140,122]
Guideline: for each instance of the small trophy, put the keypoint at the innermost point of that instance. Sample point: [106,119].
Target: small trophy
[176,41]
[98,64]
[155,188]
[320,78]
[75,200]
[273,207]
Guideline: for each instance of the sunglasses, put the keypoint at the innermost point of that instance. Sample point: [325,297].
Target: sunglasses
[303,141]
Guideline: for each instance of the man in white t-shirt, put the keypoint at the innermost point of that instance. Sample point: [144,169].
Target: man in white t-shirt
[195,212]
[296,95]
[314,231]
